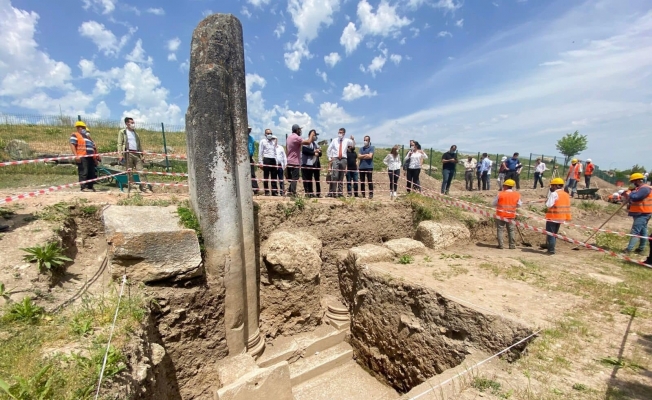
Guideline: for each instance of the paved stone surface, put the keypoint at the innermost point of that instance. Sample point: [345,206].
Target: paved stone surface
[148,244]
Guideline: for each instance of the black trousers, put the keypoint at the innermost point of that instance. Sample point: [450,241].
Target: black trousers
[270,170]
[293,172]
[254,182]
[413,179]
[366,174]
[538,179]
[393,179]
[310,173]
[86,171]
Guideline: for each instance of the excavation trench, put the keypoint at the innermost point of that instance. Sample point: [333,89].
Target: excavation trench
[402,332]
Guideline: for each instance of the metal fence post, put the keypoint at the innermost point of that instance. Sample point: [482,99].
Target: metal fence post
[554,164]
[165,149]
[78,117]
[430,171]
[528,166]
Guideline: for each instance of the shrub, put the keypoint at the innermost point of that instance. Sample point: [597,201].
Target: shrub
[405,259]
[24,311]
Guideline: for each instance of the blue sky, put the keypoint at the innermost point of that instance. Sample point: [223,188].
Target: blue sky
[495,76]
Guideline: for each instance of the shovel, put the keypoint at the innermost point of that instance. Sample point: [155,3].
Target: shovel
[603,224]
[523,242]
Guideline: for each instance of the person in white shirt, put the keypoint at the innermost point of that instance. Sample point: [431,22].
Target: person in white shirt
[539,169]
[393,162]
[469,171]
[337,157]
[281,164]
[267,157]
[502,171]
[414,159]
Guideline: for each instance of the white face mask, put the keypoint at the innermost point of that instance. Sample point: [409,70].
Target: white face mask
[414,148]
[366,143]
[83,130]
[269,136]
[340,135]
[131,126]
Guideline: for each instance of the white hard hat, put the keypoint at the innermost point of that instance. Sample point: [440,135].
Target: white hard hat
[588,160]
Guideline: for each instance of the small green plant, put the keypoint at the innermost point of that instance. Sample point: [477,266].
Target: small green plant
[4,292]
[590,206]
[138,200]
[81,326]
[56,212]
[580,387]
[6,213]
[89,210]
[453,256]
[629,310]
[484,384]
[24,311]
[38,386]
[405,259]
[190,221]
[300,203]
[427,259]
[49,257]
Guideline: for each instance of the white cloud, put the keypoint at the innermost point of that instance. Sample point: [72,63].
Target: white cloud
[459,23]
[173,44]
[384,22]
[446,5]
[415,32]
[24,68]
[354,91]
[137,55]
[156,11]
[308,98]
[552,63]
[332,59]
[172,57]
[332,116]
[350,38]
[258,3]
[444,34]
[103,38]
[308,16]
[106,6]
[280,29]
[396,58]
[244,11]
[322,75]
[206,13]
[376,65]
[184,66]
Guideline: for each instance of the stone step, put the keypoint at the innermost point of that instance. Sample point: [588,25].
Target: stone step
[292,348]
[348,381]
[320,362]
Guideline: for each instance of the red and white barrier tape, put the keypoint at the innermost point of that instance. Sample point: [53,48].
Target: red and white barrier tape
[160,173]
[53,189]
[40,160]
[179,156]
[161,184]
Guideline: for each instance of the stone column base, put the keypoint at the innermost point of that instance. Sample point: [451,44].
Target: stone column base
[255,344]
[338,316]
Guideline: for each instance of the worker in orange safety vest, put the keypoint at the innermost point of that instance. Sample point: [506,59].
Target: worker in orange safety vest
[640,209]
[506,204]
[85,152]
[559,211]
[573,176]
[588,172]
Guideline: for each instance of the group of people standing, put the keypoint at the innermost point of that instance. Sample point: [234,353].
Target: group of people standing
[344,161]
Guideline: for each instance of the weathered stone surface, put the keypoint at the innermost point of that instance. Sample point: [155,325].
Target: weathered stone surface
[405,246]
[370,253]
[220,175]
[18,150]
[290,292]
[149,245]
[158,352]
[438,236]
[259,383]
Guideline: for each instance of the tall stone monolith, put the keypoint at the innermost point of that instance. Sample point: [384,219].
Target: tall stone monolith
[220,177]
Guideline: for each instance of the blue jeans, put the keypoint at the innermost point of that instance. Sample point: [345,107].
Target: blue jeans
[352,176]
[446,180]
[552,227]
[639,227]
[572,187]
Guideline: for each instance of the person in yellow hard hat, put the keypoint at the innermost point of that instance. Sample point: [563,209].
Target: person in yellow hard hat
[559,211]
[573,176]
[640,209]
[506,204]
[84,148]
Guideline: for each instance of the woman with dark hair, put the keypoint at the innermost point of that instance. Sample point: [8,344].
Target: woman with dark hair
[393,162]
[310,166]
[414,158]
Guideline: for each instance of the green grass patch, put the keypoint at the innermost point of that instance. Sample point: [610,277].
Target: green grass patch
[31,367]
[405,259]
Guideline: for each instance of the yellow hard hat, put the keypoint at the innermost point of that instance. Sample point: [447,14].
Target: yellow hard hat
[636,176]
[574,160]
[557,181]
[509,182]
[80,123]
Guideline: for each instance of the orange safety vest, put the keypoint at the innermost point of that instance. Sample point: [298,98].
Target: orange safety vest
[575,170]
[644,206]
[81,145]
[561,210]
[589,169]
[507,204]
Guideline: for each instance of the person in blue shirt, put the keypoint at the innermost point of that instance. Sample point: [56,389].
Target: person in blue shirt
[366,166]
[486,171]
[512,167]
[254,182]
